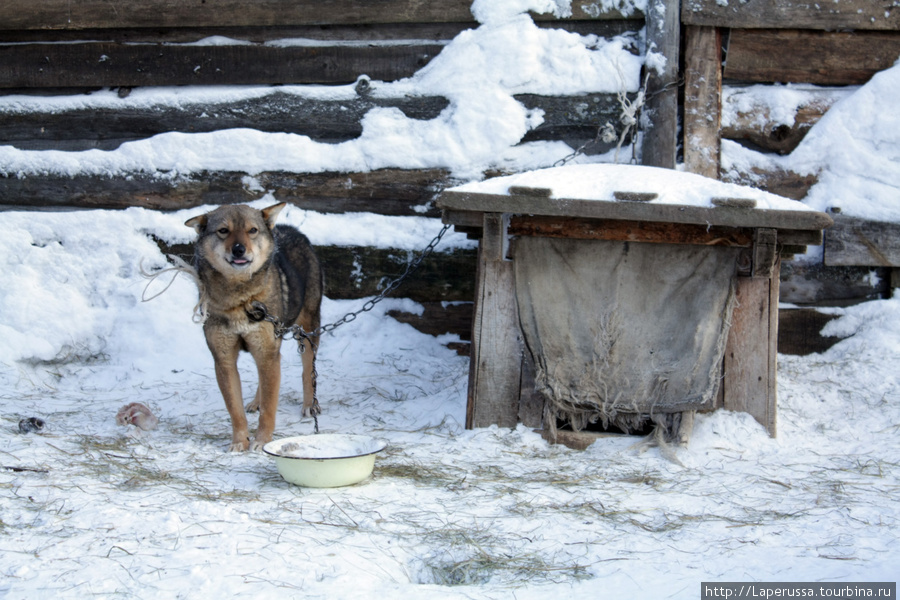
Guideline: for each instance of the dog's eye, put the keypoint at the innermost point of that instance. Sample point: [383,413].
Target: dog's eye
[223,231]
[253,230]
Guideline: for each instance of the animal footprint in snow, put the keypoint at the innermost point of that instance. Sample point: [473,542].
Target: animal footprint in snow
[138,415]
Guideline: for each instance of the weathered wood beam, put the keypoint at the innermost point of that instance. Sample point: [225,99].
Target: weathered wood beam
[93,14]
[824,58]
[106,64]
[633,211]
[802,14]
[573,119]
[813,283]
[372,33]
[784,183]
[860,242]
[629,231]
[702,100]
[386,191]
[663,38]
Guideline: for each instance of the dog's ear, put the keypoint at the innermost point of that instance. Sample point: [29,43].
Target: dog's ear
[271,213]
[198,223]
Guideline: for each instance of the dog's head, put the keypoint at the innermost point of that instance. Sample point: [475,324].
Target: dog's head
[236,240]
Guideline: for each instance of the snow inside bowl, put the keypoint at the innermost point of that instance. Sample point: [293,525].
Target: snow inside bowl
[325,460]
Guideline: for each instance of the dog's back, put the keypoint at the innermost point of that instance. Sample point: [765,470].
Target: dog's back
[301,274]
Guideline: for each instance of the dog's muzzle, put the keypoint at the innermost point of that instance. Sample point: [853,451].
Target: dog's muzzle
[238,252]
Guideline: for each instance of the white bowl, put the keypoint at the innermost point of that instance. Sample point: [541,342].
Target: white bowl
[326,459]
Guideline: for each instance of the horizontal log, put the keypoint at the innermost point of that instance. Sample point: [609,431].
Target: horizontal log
[365,33]
[107,64]
[771,135]
[819,57]
[90,14]
[813,283]
[106,128]
[800,14]
[438,318]
[570,119]
[386,191]
[777,181]
[355,272]
[859,242]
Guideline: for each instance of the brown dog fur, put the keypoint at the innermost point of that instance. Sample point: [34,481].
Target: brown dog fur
[242,257]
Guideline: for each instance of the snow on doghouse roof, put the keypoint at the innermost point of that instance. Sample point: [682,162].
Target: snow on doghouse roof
[605,182]
[629,192]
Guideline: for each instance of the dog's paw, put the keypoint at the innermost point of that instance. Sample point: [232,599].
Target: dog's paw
[138,415]
[239,446]
[252,407]
[312,411]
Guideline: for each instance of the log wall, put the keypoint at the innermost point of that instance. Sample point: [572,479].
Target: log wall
[60,48]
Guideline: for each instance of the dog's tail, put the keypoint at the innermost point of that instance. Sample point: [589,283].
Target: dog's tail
[179,266]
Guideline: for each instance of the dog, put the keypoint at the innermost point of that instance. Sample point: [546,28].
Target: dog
[242,258]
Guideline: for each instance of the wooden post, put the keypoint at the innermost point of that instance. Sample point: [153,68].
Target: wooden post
[663,38]
[702,100]
[496,355]
[751,352]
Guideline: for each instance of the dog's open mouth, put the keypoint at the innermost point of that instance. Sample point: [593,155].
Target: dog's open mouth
[240,262]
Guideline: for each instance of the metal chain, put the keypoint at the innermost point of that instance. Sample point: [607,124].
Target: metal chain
[259,312]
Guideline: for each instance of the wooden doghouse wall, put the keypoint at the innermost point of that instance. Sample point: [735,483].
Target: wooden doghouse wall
[52,47]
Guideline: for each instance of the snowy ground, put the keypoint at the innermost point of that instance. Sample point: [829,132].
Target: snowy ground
[91,508]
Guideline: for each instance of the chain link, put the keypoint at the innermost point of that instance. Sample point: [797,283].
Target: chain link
[259,312]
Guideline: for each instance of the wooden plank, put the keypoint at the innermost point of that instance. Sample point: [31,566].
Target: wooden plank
[765,252]
[702,93]
[629,231]
[747,362]
[633,211]
[859,242]
[108,64]
[495,372]
[801,14]
[385,191]
[329,121]
[823,58]
[663,37]
[107,14]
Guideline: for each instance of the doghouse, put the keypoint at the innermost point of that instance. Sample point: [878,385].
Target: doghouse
[613,296]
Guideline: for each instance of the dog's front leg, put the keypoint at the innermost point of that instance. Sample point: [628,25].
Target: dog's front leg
[230,385]
[225,351]
[268,364]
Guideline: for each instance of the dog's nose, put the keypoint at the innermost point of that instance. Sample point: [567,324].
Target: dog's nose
[238,250]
